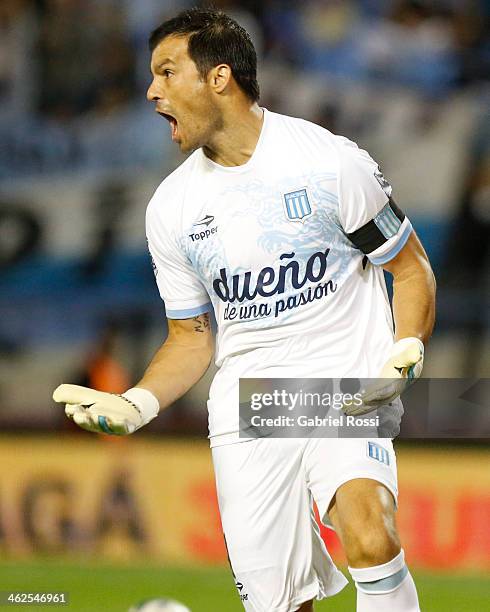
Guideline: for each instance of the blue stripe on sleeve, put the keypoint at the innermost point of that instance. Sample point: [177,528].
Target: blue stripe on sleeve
[187,313]
[395,249]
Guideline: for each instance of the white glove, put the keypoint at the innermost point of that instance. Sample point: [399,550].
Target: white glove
[402,368]
[107,412]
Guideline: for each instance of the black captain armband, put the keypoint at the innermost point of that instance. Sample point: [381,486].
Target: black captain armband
[379,230]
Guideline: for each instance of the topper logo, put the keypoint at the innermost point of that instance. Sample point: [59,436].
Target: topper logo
[204,234]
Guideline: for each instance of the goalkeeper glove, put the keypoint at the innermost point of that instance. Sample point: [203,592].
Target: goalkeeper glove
[402,368]
[106,412]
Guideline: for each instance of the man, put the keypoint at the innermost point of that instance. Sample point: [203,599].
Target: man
[265,208]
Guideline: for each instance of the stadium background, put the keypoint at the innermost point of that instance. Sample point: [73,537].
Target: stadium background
[116,520]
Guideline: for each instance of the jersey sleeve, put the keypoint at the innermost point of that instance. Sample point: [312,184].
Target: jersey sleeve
[368,214]
[179,286]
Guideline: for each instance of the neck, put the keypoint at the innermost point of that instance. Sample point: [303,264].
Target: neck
[234,143]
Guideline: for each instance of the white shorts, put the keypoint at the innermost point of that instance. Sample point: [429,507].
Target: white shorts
[266,489]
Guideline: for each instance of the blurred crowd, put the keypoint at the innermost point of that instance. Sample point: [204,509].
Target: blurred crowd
[65,58]
[62,61]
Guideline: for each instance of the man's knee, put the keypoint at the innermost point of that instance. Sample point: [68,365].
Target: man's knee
[363,513]
[371,544]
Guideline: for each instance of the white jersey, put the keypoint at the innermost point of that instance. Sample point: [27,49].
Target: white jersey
[286,249]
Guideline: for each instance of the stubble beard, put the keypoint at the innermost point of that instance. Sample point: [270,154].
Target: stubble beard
[212,122]
[216,125]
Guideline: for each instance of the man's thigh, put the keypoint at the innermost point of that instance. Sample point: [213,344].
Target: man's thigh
[277,556]
[330,463]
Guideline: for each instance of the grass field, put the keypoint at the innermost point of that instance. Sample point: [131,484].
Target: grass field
[103,588]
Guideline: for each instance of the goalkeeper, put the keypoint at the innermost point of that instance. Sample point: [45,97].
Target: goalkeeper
[283,229]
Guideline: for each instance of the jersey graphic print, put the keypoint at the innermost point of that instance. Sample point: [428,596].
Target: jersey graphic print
[299,264]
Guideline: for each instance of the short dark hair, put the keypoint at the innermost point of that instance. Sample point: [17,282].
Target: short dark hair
[214,38]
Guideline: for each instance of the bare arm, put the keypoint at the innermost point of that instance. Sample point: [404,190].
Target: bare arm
[414,290]
[181,361]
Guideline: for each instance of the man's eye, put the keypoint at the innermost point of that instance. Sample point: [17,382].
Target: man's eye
[166,73]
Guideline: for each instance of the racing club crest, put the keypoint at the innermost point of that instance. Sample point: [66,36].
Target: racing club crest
[297,205]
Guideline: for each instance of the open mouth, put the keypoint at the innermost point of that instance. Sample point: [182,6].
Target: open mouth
[172,121]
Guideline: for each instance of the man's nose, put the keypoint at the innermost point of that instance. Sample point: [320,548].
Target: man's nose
[152,95]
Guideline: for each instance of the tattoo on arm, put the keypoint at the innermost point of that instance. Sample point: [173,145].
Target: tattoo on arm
[201,323]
